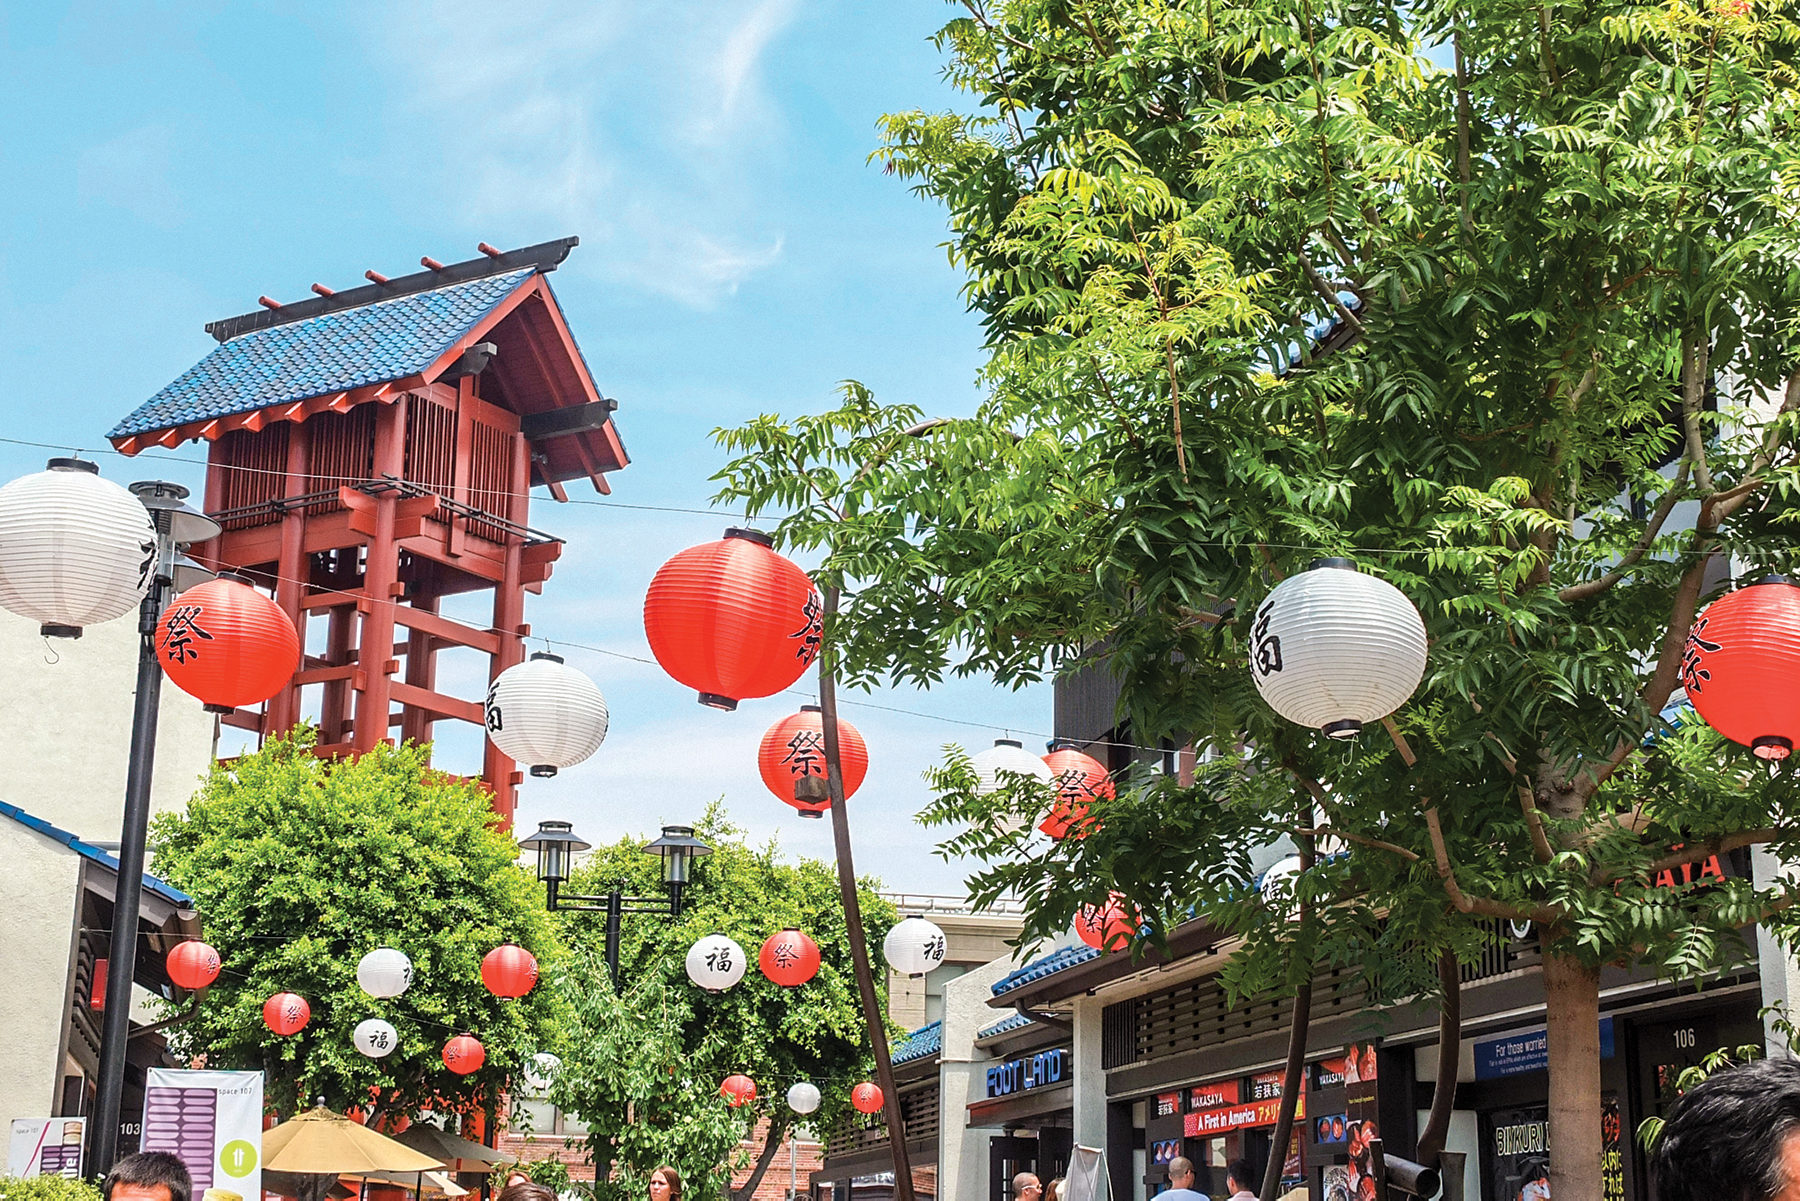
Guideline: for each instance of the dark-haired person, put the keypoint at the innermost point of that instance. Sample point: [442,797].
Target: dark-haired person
[1238,1180]
[148,1176]
[1733,1137]
[525,1190]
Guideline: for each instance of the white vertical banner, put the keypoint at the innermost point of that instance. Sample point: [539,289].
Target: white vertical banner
[46,1147]
[212,1122]
[1087,1175]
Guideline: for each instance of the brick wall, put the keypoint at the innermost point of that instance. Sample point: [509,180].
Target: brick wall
[774,1186]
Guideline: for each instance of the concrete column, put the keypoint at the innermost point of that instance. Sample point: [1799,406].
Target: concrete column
[1779,973]
[963,1153]
[1090,1076]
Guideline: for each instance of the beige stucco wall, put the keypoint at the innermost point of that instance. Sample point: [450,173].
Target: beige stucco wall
[38,894]
[65,704]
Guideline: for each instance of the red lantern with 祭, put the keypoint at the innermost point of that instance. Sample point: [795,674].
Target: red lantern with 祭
[227,644]
[733,619]
[193,965]
[866,1098]
[464,1054]
[789,958]
[286,1013]
[509,971]
[1078,779]
[1740,666]
[738,1090]
[794,748]
[1107,927]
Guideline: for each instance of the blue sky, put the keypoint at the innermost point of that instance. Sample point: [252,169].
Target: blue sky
[161,165]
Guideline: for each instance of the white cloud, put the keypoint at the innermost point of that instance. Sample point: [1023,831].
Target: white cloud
[637,127]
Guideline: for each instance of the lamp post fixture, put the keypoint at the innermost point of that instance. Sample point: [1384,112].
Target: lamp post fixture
[177,525]
[556,844]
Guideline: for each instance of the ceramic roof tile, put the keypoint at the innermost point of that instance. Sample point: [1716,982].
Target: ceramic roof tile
[926,1041]
[1056,961]
[333,352]
[1005,1025]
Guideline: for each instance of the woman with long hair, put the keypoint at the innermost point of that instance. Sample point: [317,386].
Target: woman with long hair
[665,1184]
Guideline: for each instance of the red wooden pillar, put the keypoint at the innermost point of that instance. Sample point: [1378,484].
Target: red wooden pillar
[421,671]
[509,622]
[340,636]
[290,571]
[381,584]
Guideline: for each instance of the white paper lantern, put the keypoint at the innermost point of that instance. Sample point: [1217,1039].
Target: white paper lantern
[546,714]
[1281,878]
[384,972]
[803,1097]
[715,963]
[375,1038]
[914,946]
[540,1070]
[1006,755]
[75,549]
[1333,648]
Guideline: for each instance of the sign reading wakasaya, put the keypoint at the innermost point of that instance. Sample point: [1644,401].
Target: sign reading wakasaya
[1226,1118]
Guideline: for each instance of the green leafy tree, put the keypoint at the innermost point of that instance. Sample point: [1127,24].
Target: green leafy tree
[301,866]
[662,1047]
[1558,246]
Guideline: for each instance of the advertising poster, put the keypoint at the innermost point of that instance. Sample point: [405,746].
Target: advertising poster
[212,1122]
[1346,1135]
[1519,1146]
[46,1147]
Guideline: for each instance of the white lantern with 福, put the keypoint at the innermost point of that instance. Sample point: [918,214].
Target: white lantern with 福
[384,972]
[375,1038]
[1278,885]
[545,714]
[540,1071]
[75,549]
[1333,648]
[914,947]
[803,1097]
[715,963]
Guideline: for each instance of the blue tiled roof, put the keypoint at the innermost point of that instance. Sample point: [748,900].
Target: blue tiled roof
[1005,1025]
[333,352]
[1281,360]
[927,1040]
[1046,965]
[88,850]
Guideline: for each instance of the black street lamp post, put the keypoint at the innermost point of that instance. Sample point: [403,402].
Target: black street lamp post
[177,525]
[556,845]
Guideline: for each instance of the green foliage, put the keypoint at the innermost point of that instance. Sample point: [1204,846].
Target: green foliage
[1649,1131]
[46,1188]
[301,866]
[643,1069]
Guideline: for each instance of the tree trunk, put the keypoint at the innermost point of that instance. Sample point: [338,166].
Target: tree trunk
[772,1140]
[1572,1024]
[1443,1093]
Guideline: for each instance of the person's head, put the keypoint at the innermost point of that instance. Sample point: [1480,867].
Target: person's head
[525,1190]
[1054,1190]
[148,1176]
[665,1184]
[516,1177]
[1733,1137]
[1237,1176]
[1181,1172]
[1027,1188]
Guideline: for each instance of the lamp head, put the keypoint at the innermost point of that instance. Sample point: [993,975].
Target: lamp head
[678,848]
[555,844]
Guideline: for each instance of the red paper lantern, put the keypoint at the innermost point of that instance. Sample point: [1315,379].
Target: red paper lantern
[509,971]
[1107,927]
[1741,664]
[286,1013]
[733,619]
[227,644]
[866,1097]
[738,1090]
[794,748]
[193,965]
[464,1054]
[1078,779]
[789,958]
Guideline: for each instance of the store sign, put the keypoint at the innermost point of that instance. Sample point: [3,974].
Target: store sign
[212,1122]
[1517,1054]
[1266,1086]
[1168,1104]
[1211,1096]
[1226,1118]
[1031,1071]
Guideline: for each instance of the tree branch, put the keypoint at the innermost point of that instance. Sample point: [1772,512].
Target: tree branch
[1724,504]
[1325,290]
[1484,906]
[1463,121]
[1652,528]
[1712,846]
[1399,741]
[1694,351]
[1534,821]
[1359,840]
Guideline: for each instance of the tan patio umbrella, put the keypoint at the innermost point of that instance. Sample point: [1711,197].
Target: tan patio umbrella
[420,1182]
[456,1154]
[326,1145]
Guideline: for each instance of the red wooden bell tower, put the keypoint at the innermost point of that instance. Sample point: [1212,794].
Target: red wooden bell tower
[372,452]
